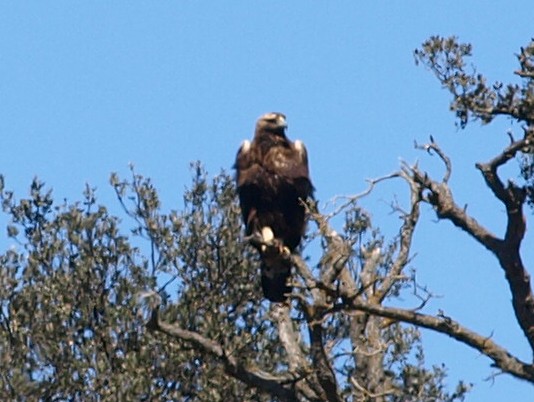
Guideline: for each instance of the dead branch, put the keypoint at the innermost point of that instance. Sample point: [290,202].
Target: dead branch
[334,267]
[304,271]
[507,249]
[433,147]
[315,314]
[445,325]
[440,197]
[338,251]
[323,381]
[368,273]
[406,235]
[349,200]
[370,395]
[289,338]
[285,387]
[524,74]
[325,373]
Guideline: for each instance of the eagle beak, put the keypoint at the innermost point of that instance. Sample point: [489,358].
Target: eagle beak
[282,121]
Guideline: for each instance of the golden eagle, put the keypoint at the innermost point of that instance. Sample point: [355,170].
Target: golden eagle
[272,181]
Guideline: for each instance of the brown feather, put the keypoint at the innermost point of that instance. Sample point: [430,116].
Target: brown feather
[272,177]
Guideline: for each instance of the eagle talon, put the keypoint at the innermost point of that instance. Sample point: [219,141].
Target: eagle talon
[286,252]
[282,250]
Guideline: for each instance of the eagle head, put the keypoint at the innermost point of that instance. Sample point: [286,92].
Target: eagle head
[273,122]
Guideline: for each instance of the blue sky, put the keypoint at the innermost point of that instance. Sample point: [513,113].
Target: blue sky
[87,88]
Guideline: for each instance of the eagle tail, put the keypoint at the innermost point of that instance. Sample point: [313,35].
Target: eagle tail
[275,272]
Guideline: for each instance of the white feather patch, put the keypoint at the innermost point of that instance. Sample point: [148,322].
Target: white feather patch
[245,146]
[299,146]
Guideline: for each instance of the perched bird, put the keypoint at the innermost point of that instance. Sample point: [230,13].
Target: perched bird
[273,180]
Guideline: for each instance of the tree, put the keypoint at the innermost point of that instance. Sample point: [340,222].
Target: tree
[473,99]
[173,311]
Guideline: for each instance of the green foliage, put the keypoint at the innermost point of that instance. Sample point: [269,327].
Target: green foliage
[68,295]
[474,99]
[73,326]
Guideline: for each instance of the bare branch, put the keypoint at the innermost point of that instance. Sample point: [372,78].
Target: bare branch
[369,394]
[324,371]
[447,326]
[278,386]
[507,249]
[368,274]
[289,338]
[339,251]
[434,147]
[406,236]
[508,153]
[507,252]
[314,316]
[440,197]
[304,271]
[524,74]
[349,200]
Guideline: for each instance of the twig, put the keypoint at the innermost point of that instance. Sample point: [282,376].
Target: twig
[434,147]
[353,198]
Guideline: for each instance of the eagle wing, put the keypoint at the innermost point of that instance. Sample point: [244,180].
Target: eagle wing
[248,178]
[289,166]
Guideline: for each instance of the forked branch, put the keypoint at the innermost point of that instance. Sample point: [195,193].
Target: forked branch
[283,386]
[445,325]
[507,248]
